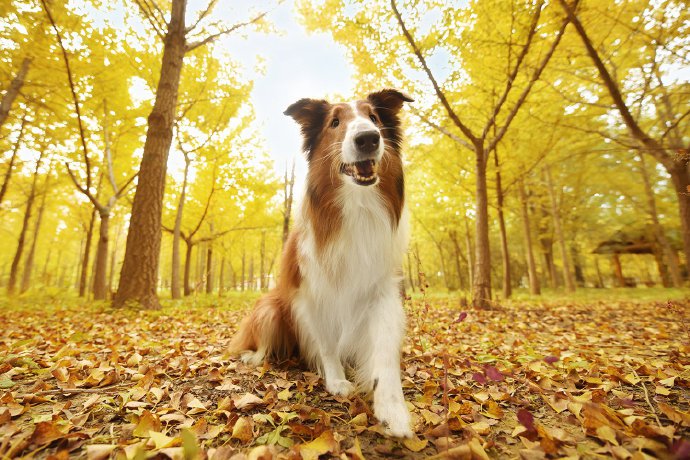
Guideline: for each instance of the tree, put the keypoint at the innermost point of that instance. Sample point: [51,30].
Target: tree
[663,140]
[139,276]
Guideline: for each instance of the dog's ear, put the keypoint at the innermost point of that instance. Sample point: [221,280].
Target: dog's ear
[311,115]
[387,103]
[388,100]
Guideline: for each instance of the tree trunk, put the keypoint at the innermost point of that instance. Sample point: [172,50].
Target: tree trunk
[187,267]
[481,286]
[505,255]
[618,270]
[175,275]
[567,273]
[209,268]
[534,287]
[14,269]
[288,188]
[13,90]
[409,272]
[29,264]
[600,279]
[666,249]
[83,276]
[139,274]
[470,252]
[446,281]
[13,158]
[221,278]
[681,181]
[244,256]
[101,262]
[456,249]
[251,273]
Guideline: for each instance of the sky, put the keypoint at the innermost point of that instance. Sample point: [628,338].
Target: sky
[295,64]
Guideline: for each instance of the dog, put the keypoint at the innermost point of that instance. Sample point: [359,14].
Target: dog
[338,296]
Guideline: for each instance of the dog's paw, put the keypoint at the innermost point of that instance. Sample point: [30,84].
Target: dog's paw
[394,416]
[252,358]
[340,387]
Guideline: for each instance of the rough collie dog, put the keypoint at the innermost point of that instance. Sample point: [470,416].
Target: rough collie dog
[338,298]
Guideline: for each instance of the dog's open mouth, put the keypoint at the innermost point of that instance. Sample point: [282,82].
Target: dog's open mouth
[363,172]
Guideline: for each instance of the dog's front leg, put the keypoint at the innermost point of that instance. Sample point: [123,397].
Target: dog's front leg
[386,331]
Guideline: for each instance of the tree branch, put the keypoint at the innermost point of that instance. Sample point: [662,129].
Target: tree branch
[516,69]
[74,99]
[442,130]
[151,18]
[192,46]
[535,77]
[451,113]
[209,8]
[611,85]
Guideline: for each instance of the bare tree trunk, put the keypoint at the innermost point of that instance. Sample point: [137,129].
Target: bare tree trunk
[666,249]
[505,255]
[14,269]
[288,188]
[244,256]
[470,252]
[29,264]
[209,268]
[221,278]
[534,287]
[618,270]
[175,276]
[187,267]
[13,90]
[409,272]
[567,273]
[600,279]
[139,274]
[113,256]
[251,273]
[13,158]
[481,286]
[456,249]
[83,277]
[101,262]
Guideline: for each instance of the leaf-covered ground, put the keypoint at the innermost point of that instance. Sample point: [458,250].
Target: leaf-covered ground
[555,379]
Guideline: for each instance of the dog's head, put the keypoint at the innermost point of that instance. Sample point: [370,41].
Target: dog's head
[350,139]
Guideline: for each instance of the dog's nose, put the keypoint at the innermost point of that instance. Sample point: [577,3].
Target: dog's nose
[367,141]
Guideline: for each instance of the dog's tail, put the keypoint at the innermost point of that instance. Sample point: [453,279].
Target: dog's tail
[267,331]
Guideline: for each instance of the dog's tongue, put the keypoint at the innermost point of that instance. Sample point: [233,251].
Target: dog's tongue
[365,168]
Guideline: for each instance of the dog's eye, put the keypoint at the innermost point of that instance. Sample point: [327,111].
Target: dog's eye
[372,118]
[335,123]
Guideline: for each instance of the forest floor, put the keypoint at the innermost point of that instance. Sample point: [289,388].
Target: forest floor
[555,378]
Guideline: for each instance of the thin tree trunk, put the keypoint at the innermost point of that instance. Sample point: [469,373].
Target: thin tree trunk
[470,252]
[618,270]
[83,277]
[13,158]
[139,274]
[666,249]
[209,268]
[409,272]
[101,262]
[534,287]
[29,264]
[567,274]
[244,256]
[456,249]
[175,276]
[45,279]
[221,278]
[14,269]
[288,188]
[187,267]
[505,255]
[13,90]
[113,256]
[600,279]
[481,286]
[251,273]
